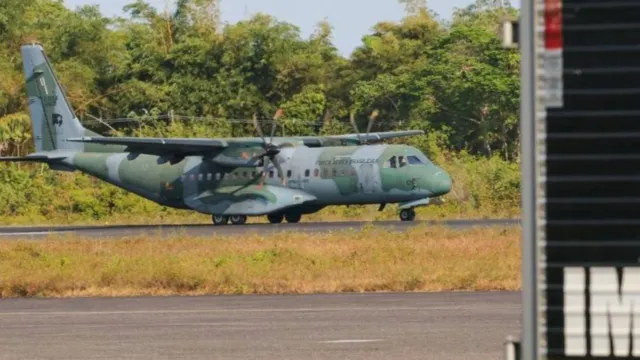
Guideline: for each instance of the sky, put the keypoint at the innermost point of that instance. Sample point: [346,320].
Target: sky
[351,19]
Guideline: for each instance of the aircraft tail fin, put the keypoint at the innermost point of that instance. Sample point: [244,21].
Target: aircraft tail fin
[52,117]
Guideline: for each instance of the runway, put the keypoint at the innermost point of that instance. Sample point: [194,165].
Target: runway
[344,326]
[207,230]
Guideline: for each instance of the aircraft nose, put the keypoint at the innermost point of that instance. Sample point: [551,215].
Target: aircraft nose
[442,183]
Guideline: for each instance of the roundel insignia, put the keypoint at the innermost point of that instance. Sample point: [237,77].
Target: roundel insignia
[57,119]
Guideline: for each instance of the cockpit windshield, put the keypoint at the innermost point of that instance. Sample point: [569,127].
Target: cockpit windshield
[414,160]
[401,161]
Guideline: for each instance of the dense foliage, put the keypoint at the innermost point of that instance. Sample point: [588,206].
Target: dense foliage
[182,73]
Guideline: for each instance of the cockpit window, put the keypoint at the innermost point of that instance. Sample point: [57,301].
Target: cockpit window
[402,161]
[392,162]
[414,160]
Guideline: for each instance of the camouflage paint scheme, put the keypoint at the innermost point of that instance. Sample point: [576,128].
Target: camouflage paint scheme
[217,176]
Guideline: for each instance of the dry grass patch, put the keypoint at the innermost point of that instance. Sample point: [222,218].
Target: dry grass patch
[423,259]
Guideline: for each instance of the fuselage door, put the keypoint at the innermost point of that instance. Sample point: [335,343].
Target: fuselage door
[367,178]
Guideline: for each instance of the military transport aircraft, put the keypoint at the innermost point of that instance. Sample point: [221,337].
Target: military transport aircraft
[231,178]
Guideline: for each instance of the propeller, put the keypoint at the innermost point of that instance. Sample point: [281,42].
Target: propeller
[372,118]
[270,150]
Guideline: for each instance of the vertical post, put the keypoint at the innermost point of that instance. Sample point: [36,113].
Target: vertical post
[528,71]
[512,349]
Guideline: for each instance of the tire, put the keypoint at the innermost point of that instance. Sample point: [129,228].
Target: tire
[238,219]
[275,218]
[407,215]
[293,218]
[219,219]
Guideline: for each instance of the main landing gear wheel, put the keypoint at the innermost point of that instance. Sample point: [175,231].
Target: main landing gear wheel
[407,215]
[293,217]
[238,219]
[220,220]
[275,218]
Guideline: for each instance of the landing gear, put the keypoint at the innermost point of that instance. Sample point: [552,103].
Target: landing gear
[220,220]
[407,215]
[275,218]
[293,217]
[238,219]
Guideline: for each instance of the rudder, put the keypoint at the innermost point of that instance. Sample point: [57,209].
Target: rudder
[52,118]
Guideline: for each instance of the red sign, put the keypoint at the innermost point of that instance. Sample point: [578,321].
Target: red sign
[553,24]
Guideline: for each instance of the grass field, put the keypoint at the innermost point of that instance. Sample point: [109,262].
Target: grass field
[332,214]
[422,259]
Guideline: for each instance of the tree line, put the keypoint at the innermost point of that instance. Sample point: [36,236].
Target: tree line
[183,73]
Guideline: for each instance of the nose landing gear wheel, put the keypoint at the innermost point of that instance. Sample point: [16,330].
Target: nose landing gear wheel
[220,220]
[407,215]
[275,218]
[238,219]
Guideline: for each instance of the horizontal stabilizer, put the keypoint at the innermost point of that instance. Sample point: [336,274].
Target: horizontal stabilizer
[32,158]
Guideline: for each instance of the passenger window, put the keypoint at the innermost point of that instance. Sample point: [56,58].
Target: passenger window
[392,162]
[209,177]
[271,174]
[217,176]
[402,161]
[244,174]
[325,172]
[307,173]
[316,172]
[334,172]
[288,173]
[192,177]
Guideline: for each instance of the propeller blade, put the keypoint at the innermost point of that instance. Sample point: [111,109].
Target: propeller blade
[352,119]
[281,173]
[265,164]
[274,124]
[258,128]
[278,114]
[372,118]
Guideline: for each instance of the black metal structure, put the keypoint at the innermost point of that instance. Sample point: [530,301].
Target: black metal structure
[589,189]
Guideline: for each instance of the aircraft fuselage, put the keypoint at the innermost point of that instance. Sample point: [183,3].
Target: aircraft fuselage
[344,175]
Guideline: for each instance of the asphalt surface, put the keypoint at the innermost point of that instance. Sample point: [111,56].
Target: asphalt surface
[344,326]
[205,229]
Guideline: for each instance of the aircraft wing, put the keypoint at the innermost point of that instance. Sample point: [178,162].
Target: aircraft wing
[158,146]
[247,200]
[316,141]
[194,146]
